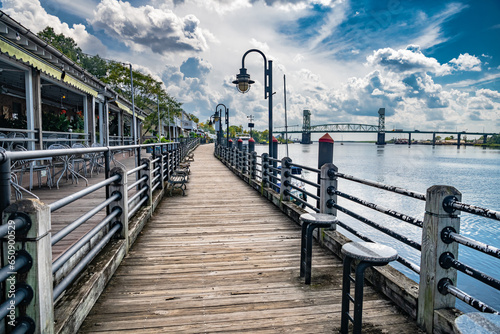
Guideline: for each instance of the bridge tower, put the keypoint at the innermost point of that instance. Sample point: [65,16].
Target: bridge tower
[381,127]
[306,128]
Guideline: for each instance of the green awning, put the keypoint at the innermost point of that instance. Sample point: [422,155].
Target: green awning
[42,66]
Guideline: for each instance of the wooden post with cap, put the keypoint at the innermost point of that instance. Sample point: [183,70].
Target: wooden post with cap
[325,156]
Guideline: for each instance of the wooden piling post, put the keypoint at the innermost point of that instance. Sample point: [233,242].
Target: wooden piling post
[161,171]
[435,220]
[328,185]
[37,243]
[253,165]
[265,170]
[325,156]
[286,179]
[148,171]
[120,186]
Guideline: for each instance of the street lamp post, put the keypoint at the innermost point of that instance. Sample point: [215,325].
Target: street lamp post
[226,112]
[159,119]
[216,119]
[243,84]
[227,127]
[250,124]
[134,121]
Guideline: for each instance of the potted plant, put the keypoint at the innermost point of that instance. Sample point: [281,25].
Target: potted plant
[149,149]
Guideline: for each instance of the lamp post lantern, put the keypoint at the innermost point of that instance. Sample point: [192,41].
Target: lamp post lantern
[243,84]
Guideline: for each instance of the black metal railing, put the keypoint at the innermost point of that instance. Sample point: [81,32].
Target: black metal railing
[123,193]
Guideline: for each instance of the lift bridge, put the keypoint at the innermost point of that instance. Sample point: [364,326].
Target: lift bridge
[306,129]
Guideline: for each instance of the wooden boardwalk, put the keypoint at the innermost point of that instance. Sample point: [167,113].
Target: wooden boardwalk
[223,259]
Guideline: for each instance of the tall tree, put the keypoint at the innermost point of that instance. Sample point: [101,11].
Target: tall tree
[66,45]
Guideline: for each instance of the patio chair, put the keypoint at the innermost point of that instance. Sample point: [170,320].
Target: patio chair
[18,189]
[33,166]
[97,160]
[3,143]
[15,136]
[84,159]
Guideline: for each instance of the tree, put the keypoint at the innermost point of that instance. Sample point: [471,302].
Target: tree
[66,45]
[96,65]
[194,118]
[147,90]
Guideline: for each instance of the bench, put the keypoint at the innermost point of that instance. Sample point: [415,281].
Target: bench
[182,172]
[177,181]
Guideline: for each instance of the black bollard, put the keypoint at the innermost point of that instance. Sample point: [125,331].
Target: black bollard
[230,143]
[240,144]
[325,155]
[251,145]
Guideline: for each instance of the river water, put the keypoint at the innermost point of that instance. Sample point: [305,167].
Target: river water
[474,171]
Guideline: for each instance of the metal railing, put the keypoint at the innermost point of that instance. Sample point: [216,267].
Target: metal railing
[29,243]
[439,235]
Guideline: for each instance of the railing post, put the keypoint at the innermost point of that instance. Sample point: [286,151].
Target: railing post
[265,169]
[235,157]
[253,165]
[435,220]
[328,186]
[244,162]
[120,186]
[148,171]
[286,180]
[36,242]
[162,172]
[325,156]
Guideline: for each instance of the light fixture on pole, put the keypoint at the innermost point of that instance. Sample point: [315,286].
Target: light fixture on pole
[159,118]
[243,83]
[226,110]
[250,124]
[134,120]
[216,119]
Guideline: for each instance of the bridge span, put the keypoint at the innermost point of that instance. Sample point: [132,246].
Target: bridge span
[306,129]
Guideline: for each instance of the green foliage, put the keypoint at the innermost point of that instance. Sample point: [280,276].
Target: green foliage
[95,65]
[147,90]
[194,118]
[53,122]
[66,45]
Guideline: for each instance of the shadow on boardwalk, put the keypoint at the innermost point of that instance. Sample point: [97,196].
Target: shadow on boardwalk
[223,259]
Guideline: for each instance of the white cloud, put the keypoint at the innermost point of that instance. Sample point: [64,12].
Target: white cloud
[149,28]
[409,60]
[31,14]
[466,62]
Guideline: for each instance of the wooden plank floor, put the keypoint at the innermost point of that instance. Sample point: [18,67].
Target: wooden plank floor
[222,259]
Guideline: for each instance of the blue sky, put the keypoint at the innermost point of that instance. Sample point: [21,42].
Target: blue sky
[431,64]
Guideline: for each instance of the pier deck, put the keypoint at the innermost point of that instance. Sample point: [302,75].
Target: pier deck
[223,259]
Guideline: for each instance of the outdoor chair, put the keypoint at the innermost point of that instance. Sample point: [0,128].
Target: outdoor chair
[84,159]
[17,138]
[33,166]
[97,160]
